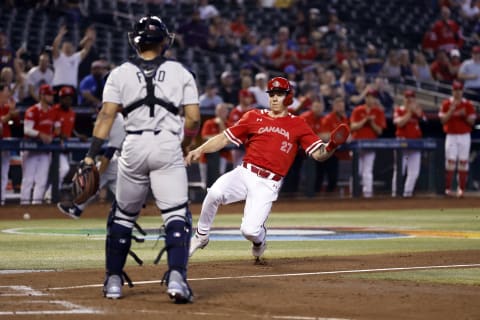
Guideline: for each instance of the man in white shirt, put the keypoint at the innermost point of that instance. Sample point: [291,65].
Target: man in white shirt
[259,90]
[66,60]
[470,71]
[39,75]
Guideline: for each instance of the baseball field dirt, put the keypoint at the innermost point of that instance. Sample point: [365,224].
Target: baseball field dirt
[307,288]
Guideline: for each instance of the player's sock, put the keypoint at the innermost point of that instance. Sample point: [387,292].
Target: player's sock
[448,179]
[462,179]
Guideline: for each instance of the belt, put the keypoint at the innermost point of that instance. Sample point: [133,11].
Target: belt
[155,132]
[263,173]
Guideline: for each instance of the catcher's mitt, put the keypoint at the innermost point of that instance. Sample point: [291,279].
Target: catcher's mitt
[85,182]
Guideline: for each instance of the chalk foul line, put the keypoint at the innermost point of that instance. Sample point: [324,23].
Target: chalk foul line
[282,275]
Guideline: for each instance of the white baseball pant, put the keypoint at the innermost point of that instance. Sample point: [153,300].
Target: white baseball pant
[411,164]
[5,167]
[35,166]
[366,160]
[237,185]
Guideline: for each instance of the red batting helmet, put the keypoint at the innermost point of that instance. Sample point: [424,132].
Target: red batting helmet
[281,84]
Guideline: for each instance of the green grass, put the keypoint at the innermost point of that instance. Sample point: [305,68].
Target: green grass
[33,251]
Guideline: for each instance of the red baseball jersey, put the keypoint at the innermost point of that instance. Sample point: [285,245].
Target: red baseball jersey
[272,143]
[4,110]
[236,114]
[312,120]
[210,128]
[411,130]
[43,119]
[366,132]
[332,120]
[457,123]
[66,119]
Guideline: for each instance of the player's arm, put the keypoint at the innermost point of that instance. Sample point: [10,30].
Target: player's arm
[401,121]
[214,144]
[192,124]
[104,123]
[445,116]
[57,41]
[375,127]
[357,125]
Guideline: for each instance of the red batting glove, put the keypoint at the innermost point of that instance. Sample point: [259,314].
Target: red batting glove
[338,136]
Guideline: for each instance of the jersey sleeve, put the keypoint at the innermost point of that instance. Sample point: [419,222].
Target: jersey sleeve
[190,91]
[470,109]
[207,128]
[238,133]
[355,117]
[308,139]
[111,91]
[380,119]
[444,107]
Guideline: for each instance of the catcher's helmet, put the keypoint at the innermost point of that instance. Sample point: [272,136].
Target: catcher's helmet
[150,30]
[280,84]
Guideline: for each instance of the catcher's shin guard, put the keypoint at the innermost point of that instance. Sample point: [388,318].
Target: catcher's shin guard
[178,231]
[119,239]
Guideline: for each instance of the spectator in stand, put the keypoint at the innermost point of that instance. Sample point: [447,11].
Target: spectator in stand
[455,62]
[7,54]
[211,128]
[91,87]
[252,51]
[207,11]
[406,118]
[345,81]
[209,100]
[7,77]
[21,90]
[406,71]
[194,33]
[470,71]
[385,94]
[441,69]
[367,122]
[220,38]
[66,61]
[391,68]
[328,124]
[358,95]
[260,90]
[373,63]
[470,10]
[38,75]
[446,32]
[245,98]
[341,53]
[85,66]
[284,53]
[8,112]
[420,68]
[306,53]
[228,89]
[238,27]
[354,62]
[458,117]
[291,75]
[309,80]
[38,126]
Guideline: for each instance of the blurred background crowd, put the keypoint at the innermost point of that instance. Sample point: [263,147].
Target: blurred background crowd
[331,51]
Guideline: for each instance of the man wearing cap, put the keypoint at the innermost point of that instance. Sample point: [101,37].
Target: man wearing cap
[406,118]
[259,90]
[458,117]
[367,122]
[38,126]
[209,99]
[272,138]
[91,87]
[470,71]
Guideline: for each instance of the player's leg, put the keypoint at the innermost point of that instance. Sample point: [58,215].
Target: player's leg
[413,161]
[41,177]
[131,190]
[4,172]
[28,172]
[451,154]
[64,167]
[464,142]
[368,159]
[394,176]
[261,194]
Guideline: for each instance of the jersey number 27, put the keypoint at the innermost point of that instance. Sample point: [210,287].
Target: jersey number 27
[286,146]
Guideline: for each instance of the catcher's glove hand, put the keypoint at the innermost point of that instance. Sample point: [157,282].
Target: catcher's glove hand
[85,182]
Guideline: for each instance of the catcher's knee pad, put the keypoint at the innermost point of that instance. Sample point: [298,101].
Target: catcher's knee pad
[178,231]
[119,239]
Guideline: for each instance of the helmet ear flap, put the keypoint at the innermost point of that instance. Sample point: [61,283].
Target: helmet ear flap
[288,98]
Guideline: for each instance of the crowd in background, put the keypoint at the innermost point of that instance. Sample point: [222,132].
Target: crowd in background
[313,51]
